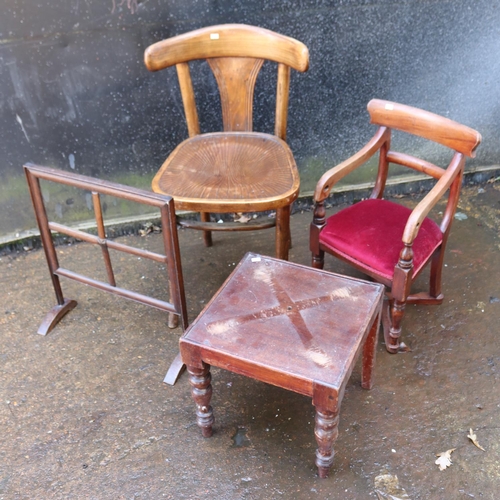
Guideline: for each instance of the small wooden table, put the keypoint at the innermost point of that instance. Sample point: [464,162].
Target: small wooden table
[292,326]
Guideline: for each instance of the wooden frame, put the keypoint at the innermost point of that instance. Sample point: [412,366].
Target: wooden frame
[176,308]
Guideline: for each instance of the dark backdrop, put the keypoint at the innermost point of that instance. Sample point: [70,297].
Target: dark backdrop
[75,93]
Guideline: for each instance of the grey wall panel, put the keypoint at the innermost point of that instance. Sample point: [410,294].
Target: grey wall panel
[75,93]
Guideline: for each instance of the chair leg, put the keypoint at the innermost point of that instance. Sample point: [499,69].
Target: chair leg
[283,238]
[392,317]
[326,431]
[436,271]
[401,286]
[318,260]
[207,235]
[318,223]
[290,242]
[201,390]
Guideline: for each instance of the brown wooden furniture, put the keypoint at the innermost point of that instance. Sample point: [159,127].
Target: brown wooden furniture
[176,307]
[236,170]
[291,326]
[385,240]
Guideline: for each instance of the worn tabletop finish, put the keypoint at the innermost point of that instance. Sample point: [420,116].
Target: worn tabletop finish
[276,316]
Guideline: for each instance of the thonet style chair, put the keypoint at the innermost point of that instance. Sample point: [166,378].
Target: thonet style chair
[385,240]
[176,307]
[236,170]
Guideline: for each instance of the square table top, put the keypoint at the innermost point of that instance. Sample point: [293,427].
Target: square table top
[286,324]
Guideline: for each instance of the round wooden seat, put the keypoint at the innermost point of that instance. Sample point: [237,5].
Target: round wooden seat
[226,171]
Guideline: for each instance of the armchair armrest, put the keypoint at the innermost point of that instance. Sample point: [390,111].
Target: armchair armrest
[421,211]
[332,176]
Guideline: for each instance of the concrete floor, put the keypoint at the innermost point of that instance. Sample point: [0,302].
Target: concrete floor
[84,412]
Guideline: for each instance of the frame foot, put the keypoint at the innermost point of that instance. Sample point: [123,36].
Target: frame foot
[175,370]
[55,315]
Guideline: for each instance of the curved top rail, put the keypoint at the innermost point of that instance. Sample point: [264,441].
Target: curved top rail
[428,125]
[227,40]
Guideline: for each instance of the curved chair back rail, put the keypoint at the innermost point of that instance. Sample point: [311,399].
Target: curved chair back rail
[227,40]
[428,125]
[235,53]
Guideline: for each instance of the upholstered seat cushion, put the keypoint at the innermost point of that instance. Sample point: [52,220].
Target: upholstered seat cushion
[369,234]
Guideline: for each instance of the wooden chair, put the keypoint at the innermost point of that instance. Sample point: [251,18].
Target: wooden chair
[236,170]
[385,240]
[303,338]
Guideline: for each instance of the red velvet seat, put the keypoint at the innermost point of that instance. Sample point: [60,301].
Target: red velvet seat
[385,240]
[368,234]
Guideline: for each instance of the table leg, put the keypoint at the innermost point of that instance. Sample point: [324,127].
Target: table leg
[369,352]
[201,390]
[326,432]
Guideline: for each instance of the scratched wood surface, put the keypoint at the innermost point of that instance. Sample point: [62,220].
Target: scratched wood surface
[231,170]
[297,334]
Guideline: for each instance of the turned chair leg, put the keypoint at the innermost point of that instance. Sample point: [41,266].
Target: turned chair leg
[283,238]
[201,390]
[391,321]
[207,235]
[318,260]
[326,432]
[401,286]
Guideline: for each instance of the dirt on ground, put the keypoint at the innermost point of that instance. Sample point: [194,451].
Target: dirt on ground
[84,412]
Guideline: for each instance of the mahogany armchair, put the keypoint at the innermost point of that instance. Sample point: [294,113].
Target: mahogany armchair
[385,240]
[236,170]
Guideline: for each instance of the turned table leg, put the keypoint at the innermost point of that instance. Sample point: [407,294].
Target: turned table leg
[326,432]
[201,390]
